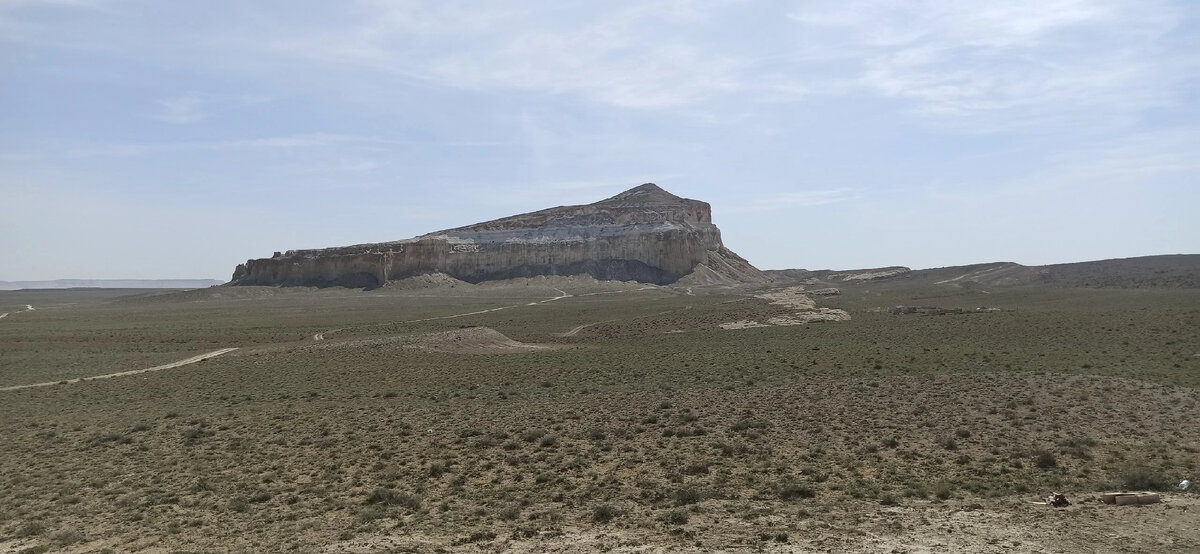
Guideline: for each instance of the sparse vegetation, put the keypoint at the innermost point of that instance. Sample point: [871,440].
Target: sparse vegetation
[389,497]
[1044,459]
[604,513]
[654,435]
[689,495]
[791,491]
[1142,478]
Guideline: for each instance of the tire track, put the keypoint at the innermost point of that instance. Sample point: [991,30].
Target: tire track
[562,294]
[171,365]
[28,308]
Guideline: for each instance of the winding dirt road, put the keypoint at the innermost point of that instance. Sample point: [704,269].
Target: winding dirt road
[316,337]
[28,308]
[576,330]
[187,361]
[562,294]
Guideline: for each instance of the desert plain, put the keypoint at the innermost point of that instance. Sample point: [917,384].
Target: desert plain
[565,414]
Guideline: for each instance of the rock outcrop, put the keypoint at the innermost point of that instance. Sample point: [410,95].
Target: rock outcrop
[644,234]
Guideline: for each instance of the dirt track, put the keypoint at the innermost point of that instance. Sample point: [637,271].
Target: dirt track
[28,308]
[171,365]
[562,294]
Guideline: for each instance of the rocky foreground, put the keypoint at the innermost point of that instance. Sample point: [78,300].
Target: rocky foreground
[644,234]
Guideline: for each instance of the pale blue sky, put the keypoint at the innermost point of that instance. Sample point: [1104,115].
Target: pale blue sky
[149,139]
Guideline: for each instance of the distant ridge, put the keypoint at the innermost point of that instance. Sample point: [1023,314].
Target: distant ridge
[110,284]
[1166,271]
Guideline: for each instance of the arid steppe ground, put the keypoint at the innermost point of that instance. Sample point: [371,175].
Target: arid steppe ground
[564,415]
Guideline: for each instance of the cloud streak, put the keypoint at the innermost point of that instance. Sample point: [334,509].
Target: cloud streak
[281,142]
[795,200]
[1023,63]
[843,111]
[613,55]
[1012,64]
[181,110]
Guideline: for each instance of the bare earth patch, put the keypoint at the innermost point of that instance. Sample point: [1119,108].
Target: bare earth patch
[472,340]
[819,314]
[743,324]
[793,298]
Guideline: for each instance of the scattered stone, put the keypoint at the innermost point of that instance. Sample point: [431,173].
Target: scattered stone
[1131,498]
[1058,500]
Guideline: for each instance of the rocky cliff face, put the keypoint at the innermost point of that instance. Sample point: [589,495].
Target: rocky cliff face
[644,234]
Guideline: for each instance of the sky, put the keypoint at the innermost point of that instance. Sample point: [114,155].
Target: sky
[149,139]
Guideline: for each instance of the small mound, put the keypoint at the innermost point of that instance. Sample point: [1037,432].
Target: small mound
[471,340]
[723,267]
[426,281]
[703,276]
[483,340]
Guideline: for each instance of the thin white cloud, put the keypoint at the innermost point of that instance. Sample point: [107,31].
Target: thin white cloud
[814,198]
[279,142]
[293,141]
[795,199]
[69,3]
[181,110]
[609,65]
[986,67]
[193,107]
[991,66]
[1011,64]
[346,165]
[614,55]
[1133,163]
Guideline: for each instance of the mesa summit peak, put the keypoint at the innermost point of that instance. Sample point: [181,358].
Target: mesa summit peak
[644,234]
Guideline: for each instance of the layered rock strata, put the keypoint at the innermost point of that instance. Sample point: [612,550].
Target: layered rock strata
[644,234]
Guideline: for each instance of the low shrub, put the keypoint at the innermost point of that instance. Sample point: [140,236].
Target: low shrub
[675,517]
[603,513]
[1044,459]
[389,497]
[1144,478]
[791,491]
[686,496]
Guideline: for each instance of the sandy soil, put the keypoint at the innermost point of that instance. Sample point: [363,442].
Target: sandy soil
[991,527]
[908,434]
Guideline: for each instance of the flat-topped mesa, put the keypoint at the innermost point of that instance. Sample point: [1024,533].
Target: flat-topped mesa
[644,234]
[645,204]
